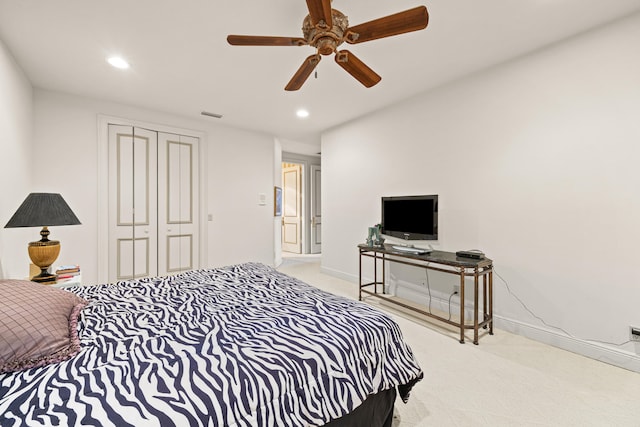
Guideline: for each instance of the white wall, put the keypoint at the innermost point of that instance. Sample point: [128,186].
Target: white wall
[277,220]
[238,167]
[16,113]
[536,163]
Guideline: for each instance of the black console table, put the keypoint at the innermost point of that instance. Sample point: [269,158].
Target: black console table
[446,262]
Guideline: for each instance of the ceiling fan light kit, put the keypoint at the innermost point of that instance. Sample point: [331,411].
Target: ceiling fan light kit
[325,29]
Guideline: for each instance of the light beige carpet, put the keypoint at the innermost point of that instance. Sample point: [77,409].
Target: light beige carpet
[507,380]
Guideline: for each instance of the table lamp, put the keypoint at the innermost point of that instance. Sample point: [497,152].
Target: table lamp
[43,210]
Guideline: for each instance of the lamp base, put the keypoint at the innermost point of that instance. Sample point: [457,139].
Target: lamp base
[43,253]
[45,277]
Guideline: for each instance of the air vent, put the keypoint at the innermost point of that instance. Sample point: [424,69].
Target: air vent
[206,113]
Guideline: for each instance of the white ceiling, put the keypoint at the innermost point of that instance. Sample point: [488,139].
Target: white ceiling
[182,64]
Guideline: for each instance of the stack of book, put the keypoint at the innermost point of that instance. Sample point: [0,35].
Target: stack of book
[65,272]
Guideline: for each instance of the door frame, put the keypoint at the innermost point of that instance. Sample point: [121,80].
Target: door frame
[306,162]
[297,220]
[102,166]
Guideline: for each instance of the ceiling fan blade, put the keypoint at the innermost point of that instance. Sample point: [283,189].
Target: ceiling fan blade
[357,68]
[265,41]
[303,72]
[403,22]
[320,11]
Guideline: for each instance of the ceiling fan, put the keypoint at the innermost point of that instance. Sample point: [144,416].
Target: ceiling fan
[325,29]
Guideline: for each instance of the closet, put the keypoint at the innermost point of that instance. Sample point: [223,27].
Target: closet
[153,202]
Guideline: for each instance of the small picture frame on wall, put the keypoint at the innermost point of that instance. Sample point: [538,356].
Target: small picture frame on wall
[277,201]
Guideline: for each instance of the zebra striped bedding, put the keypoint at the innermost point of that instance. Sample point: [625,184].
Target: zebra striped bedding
[243,345]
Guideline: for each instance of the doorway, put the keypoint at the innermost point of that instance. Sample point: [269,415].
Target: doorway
[301,205]
[292,207]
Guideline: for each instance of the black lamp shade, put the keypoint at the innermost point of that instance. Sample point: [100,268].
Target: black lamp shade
[43,210]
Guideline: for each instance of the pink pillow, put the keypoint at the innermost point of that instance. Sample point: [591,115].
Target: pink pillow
[38,325]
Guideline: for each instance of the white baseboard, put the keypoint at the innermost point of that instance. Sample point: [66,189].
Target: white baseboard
[340,275]
[593,350]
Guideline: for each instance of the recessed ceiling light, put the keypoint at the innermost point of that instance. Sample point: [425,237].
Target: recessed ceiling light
[302,113]
[118,62]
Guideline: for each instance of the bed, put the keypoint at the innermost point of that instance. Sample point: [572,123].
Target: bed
[243,345]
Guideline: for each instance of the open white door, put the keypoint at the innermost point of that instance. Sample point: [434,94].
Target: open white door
[291,209]
[316,211]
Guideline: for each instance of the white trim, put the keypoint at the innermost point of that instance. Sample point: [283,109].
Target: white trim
[339,274]
[594,350]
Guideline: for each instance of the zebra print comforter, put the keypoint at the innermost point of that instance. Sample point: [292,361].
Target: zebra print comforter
[237,346]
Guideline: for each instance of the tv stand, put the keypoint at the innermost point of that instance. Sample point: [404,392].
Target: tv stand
[446,262]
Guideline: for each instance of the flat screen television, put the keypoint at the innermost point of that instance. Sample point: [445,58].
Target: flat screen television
[410,217]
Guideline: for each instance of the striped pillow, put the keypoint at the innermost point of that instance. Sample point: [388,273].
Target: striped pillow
[38,325]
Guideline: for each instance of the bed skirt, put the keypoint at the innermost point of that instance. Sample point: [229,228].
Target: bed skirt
[375,411]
